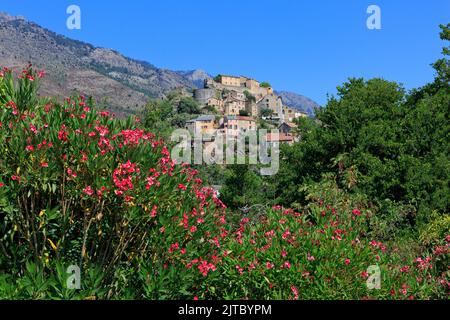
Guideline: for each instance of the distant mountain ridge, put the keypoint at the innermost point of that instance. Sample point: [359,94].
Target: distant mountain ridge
[197,77]
[299,102]
[119,83]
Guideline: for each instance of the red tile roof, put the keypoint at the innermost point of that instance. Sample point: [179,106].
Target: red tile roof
[281,137]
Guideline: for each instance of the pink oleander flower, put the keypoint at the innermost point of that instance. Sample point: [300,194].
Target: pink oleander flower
[154,211]
[173,247]
[295,292]
[240,269]
[404,269]
[286,234]
[88,190]
[71,173]
[206,267]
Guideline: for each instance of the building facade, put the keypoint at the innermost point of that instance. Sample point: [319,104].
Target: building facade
[235,126]
[204,125]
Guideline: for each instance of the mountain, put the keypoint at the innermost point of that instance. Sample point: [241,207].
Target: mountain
[299,102]
[197,77]
[118,83]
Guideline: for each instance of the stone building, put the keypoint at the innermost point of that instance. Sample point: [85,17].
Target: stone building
[273,102]
[252,108]
[289,114]
[216,103]
[203,95]
[233,105]
[232,81]
[287,127]
[233,126]
[205,125]
[279,138]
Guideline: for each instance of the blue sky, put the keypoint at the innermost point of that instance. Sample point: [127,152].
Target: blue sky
[308,47]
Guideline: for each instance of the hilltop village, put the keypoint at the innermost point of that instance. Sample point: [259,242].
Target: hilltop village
[239,103]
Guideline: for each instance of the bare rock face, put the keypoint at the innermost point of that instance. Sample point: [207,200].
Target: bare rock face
[198,76]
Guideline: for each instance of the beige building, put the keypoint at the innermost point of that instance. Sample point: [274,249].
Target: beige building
[229,80]
[234,105]
[236,94]
[289,114]
[216,103]
[205,125]
[252,85]
[236,125]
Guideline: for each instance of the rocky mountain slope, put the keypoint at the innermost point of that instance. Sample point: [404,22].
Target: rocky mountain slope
[299,102]
[119,82]
[198,76]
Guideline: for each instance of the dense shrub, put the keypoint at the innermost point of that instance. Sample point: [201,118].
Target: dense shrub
[79,187]
[324,252]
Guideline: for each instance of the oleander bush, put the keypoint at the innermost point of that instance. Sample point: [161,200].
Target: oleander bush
[79,187]
[325,251]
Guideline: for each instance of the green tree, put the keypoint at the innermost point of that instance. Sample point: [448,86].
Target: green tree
[188,105]
[155,115]
[266,112]
[395,144]
[244,187]
[243,113]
